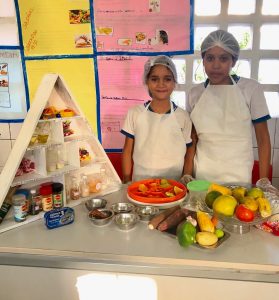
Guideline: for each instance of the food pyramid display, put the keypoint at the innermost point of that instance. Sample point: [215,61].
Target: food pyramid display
[56,146]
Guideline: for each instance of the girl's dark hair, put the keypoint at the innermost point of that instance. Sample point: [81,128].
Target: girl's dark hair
[164,36]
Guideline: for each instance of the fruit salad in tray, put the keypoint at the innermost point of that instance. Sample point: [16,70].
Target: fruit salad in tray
[156,191]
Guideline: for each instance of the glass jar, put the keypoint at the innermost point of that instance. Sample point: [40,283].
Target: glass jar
[35,202]
[20,208]
[95,183]
[84,187]
[57,195]
[60,162]
[51,159]
[74,189]
[46,193]
[43,131]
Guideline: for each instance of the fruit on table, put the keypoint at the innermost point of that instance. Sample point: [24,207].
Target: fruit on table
[205,222]
[186,233]
[219,233]
[222,189]
[264,207]
[244,214]
[210,198]
[142,187]
[206,238]
[224,205]
[250,203]
[255,193]
[239,193]
[177,190]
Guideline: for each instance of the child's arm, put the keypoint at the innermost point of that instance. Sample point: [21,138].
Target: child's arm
[127,162]
[264,148]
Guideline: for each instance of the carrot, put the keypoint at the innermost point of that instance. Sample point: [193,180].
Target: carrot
[155,221]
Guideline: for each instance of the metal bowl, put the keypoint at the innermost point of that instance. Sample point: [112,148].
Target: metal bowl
[147,212]
[122,207]
[126,221]
[96,218]
[95,203]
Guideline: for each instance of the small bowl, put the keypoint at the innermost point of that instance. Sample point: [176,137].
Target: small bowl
[98,220]
[95,203]
[147,212]
[122,207]
[126,221]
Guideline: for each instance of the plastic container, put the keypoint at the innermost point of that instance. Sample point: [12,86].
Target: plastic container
[74,189]
[20,208]
[46,193]
[197,192]
[95,183]
[84,187]
[57,195]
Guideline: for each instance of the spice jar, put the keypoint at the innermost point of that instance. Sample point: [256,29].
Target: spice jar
[95,183]
[84,187]
[35,202]
[46,193]
[57,194]
[74,189]
[25,193]
[20,208]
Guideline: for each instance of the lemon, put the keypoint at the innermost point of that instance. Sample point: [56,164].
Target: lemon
[142,187]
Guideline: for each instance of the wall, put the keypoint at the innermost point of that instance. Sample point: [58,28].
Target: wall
[9,132]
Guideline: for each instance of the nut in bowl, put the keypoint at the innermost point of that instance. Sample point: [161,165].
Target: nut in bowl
[100,216]
[122,207]
[147,212]
[126,221]
[95,203]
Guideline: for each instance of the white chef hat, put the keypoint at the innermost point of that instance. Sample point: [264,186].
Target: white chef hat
[222,39]
[159,60]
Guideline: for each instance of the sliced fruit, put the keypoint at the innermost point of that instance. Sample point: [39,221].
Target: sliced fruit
[239,193]
[169,194]
[177,190]
[142,187]
[222,189]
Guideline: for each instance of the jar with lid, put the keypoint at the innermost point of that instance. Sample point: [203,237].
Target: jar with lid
[25,193]
[74,189]
[35,202]
[46,193]
[84,187]
[57,195]
[20,208]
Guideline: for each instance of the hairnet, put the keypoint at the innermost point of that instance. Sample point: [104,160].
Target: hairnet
[222,39]
[159,60]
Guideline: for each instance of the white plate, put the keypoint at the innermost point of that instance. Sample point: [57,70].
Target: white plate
[159,205]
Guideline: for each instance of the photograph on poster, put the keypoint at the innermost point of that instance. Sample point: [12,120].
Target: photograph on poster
[79,16]
[83,41]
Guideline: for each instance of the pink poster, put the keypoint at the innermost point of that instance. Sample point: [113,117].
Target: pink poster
[142,26]
[121,87]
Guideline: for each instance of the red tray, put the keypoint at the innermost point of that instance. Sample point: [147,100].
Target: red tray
[133,192]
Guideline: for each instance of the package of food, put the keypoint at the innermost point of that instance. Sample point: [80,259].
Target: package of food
[59,217]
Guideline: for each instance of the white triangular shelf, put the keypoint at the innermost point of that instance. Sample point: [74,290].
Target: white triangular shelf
[53,91]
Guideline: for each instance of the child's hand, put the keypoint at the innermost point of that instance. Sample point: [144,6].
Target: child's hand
[186,178]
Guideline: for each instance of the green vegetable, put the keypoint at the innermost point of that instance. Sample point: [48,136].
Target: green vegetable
[186,233]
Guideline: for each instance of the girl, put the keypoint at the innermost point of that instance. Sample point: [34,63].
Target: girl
[223,110]
[157,133]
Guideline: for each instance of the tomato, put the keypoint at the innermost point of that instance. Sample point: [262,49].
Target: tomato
[244,214]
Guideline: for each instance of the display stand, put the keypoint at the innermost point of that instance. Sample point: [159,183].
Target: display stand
[68,144]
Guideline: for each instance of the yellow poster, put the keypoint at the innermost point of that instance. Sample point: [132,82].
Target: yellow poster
[79,77]
[55,27]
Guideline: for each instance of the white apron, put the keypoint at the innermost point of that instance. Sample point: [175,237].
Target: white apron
[223,123]
[159,147]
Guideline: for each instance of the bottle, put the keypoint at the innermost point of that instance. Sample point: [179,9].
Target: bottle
[46,193]
[26,194]
[74,189]
[60,162]
[35,202]
[20,208]
[84,187]
[57,195]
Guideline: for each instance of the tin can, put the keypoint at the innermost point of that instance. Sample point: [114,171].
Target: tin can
[20,207]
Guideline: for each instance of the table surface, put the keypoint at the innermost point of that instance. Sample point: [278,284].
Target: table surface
[81,245]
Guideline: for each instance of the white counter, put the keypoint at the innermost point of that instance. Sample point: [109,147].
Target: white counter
[252,257]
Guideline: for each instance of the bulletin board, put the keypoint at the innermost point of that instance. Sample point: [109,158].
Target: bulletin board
[99,47]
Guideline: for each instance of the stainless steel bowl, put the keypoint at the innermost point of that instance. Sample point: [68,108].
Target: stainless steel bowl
[95,203]
[96,217]
[122,207]
[147,212]
[126,221]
